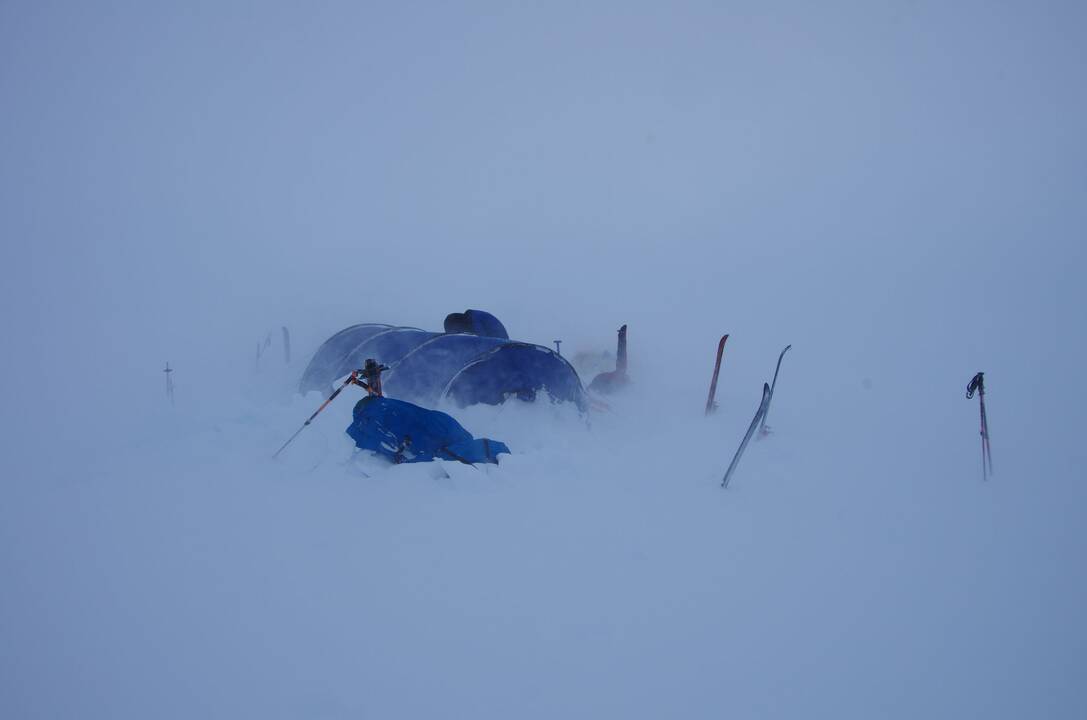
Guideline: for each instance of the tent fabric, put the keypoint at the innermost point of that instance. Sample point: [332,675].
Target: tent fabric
[514,369]
[387,347]
[348,349]
[422,374]
[405,433]
[475,322]
[326,364]
[427,368]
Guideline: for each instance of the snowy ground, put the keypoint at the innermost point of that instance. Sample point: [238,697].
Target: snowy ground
[600,571]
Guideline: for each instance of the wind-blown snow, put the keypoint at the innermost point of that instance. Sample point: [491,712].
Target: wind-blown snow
[598,571]
[899,191]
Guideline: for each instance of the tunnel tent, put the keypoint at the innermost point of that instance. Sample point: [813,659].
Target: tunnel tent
[479,366]
[422,374]
[326,363]
[520,370]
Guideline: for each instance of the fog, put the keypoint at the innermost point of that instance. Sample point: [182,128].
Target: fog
[899,190]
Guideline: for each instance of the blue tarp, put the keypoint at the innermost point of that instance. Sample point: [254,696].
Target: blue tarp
[403,432]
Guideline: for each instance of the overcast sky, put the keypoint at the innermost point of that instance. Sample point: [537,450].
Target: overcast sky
[900,186]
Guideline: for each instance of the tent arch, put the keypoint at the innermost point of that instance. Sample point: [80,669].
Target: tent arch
[424,372]
[517,369]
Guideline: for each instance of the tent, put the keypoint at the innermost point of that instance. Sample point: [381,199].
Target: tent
[473,362]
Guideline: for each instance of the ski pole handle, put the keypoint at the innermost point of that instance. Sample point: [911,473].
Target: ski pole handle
[976,383]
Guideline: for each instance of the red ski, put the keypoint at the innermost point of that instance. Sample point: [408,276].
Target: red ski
[711,405]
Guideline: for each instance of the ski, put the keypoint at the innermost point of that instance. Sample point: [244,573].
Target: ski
[711,405]
[763,430]
[750,431]
[610,382]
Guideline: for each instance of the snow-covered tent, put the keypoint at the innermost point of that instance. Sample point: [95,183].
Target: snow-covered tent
[473,362]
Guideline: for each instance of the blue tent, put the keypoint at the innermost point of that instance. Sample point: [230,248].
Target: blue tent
[477,363]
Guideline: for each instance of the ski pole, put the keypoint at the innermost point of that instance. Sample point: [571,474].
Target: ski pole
[169,383]
[988,460]
[977,385]
[353,378]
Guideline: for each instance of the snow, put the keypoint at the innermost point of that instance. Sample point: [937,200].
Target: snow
[897,191]
[598,571]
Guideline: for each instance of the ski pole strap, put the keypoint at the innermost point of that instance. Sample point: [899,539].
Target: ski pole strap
[976,383]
